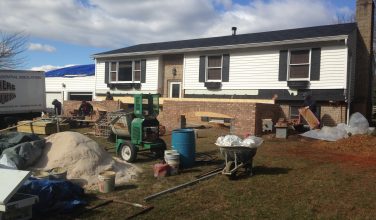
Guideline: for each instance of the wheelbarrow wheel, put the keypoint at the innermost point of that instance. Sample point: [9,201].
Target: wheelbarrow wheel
[128,152]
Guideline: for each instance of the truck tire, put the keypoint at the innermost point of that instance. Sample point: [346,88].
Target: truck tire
[128,152]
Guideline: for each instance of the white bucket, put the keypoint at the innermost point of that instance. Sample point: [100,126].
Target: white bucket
[106,181]
[172,158]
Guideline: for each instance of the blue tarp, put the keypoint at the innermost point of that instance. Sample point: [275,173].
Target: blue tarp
[73,71]
[55,196]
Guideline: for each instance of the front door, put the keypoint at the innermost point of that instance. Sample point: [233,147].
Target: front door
[175,90]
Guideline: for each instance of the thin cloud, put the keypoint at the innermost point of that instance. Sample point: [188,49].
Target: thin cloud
[41,47]
[114,23]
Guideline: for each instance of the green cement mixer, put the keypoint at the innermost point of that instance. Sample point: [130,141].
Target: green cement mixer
[138,130]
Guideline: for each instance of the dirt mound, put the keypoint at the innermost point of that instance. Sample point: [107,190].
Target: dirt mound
[356,143]
[83,158]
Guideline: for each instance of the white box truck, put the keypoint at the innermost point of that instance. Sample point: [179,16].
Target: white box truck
[22,95]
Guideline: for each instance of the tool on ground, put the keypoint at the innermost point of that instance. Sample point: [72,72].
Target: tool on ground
[209,172]
[138,130]
[175,188]
[237,157]
[145,208]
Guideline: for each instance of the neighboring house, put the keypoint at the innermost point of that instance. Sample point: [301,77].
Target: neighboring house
[284,64]
[70,83]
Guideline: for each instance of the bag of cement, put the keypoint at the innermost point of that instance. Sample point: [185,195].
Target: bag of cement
[229,140]
[252,142]
[25,154]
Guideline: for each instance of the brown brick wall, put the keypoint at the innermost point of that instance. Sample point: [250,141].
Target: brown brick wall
[362,98]
[331,115]
[246,116]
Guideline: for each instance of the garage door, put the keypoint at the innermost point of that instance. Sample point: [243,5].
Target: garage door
[50,96]
[80,96]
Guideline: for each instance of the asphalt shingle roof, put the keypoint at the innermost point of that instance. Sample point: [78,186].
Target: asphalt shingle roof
[270,36]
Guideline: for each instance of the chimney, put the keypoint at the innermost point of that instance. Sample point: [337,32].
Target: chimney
[234,31]
[364,55]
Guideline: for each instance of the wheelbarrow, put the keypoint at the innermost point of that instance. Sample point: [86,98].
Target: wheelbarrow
[236,158]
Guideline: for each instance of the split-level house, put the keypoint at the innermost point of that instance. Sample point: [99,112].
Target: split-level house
[276,65]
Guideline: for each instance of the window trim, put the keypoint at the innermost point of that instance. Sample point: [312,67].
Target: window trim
[207,68]
[170,88]
[301,64]
[117,71]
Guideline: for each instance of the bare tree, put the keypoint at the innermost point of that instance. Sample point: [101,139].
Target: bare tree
[12,45]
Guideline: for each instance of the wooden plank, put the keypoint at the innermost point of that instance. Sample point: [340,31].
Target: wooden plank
[311,119]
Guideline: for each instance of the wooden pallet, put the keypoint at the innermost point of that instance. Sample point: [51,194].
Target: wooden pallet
[311,119]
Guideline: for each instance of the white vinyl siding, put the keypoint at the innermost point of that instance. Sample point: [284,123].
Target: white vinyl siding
[259,70]
[74,84]
[333,68]
[150,85]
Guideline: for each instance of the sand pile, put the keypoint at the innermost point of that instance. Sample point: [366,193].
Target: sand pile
[83,158]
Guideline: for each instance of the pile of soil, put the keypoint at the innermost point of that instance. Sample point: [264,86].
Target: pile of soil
[83,158]
[363,144]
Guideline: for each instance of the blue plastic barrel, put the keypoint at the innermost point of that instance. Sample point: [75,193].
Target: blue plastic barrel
[183,140]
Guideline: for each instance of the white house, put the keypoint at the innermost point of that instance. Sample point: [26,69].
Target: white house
[331,62]
[70,83]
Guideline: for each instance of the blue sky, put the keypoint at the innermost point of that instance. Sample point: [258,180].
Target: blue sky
[67,32]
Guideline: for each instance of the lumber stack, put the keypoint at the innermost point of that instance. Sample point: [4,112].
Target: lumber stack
[41,127]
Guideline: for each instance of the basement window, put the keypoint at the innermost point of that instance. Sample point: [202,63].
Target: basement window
[299,64]
[214,68]
[125,71]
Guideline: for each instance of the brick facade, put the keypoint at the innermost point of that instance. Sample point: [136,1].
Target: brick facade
[247,117]
[363,86]
[331,115]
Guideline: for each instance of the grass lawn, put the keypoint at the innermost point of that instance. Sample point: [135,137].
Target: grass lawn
[295,178]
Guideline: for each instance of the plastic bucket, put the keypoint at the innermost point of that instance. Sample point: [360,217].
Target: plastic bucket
[40,174]
[172,158]
[184,141]
[59,173]
[106,181]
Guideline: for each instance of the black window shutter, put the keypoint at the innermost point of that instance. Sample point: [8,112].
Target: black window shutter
[282,65]
[315,64]
[143,71]
[201,77]
[106,73]
[226,68]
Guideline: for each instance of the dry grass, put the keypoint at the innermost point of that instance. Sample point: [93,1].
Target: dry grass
[293,180]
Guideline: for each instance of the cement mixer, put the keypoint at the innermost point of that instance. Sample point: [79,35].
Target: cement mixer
[138,130]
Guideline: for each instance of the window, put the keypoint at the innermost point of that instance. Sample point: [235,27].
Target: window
[125,71]
[294,112]
[299,64]
[214,68]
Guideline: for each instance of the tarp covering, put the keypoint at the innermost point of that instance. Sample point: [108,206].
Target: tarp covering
[73,71]
[55,196]
[19,150]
